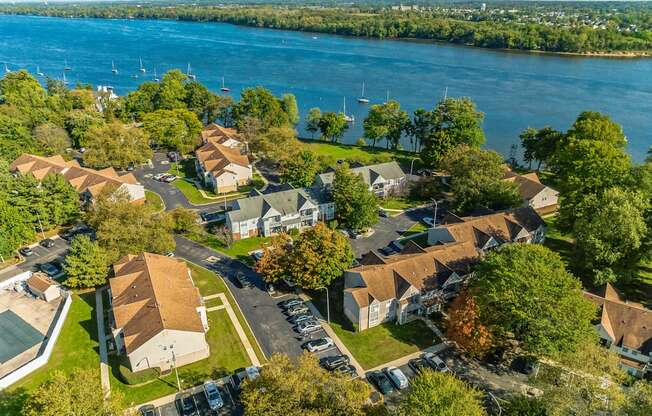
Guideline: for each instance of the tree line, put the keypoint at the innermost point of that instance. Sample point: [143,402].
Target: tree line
[377,23]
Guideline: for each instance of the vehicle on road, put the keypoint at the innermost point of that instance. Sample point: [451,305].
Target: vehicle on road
[26,251]
[306,327]
[188,405]
[297,309]
[213,395]
[49,269]
[320,344]
[47,243]
[334,361]
[290,302]
[418,365]
[435,362]
[148,410]
[379,380]
[347,370]
[397,377]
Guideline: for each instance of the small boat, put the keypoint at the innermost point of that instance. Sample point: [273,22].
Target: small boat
[363,99]
[189,73]
[142,68]
[7,70]
[38,72]
[65,66]
[224,87]
[113,68]
[348,118]
[155,76]
[135,76]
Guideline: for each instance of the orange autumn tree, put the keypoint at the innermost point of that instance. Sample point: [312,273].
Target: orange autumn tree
[272,265]
[465,327]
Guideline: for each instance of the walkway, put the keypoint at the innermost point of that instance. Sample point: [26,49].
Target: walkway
[238,328]
[104,358]
[405,359]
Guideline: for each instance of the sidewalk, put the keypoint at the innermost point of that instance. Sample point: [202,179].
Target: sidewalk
[104,359]
[404,360]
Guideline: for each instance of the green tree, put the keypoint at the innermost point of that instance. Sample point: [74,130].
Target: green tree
[184,220]
[441,394]
[79,122]
[611,232]
[52,138]
[277,143]
[301,169]
[141,101]
[273,263]
[21,90]
[524,292]
[539,145]
[16,227]
[290,107]
[526,406]
[116,145]
[14,138]
[420,128]
[261,104]
[312,121]
[60,201]
[386,121]
[178,129]
[333,125]
[355,204]
[639,400]
[171,92]
[77,393]
[456,121]
[477,180]
[87,264]
[306,389]
[318,256]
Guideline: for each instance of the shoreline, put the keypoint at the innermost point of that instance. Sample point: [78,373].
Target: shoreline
[610,55]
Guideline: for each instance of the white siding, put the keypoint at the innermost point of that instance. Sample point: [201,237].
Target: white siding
[157,352]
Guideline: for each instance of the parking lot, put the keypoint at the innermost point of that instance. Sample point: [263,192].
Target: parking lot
[230,407]
[40,255]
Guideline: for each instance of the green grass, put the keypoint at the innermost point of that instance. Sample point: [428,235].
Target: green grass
[557,241]
[227,352]
[154,200]
[211,303]
[330,153]
[401,203]
[417,228]
[239,249]
[76,347]
[186,184]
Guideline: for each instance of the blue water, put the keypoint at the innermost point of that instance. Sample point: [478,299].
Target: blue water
[513,90]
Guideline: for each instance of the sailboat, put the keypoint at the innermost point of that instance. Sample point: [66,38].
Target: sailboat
[363,99]
[155,76]
[142,68]
[113,68]
[224,88]
[387,99]
[7,70]
[189,73]
[65,81]
[65,66]
[38,71]
[348,118]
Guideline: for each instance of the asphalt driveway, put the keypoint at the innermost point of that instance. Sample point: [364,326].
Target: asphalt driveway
[41,255]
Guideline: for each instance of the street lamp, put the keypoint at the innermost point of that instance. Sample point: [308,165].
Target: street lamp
[412,165]
[174,363]
[434,218]
[328,302]
[40,225]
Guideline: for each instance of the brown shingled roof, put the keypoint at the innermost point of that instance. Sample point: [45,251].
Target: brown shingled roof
[216,157]
[528,184]
[151,293]
[41,282]
[220,134]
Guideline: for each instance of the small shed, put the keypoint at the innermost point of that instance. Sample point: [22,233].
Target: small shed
[43,287]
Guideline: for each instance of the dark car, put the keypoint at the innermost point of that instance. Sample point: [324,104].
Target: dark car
[242,282]
[381,382]
[68,235]
[49,269]
[26,251]
[383,213]
[418,365]
[47,243]
[334,361]
[188,405]
[347,370]
[290,302]
[387,251]
[147,410]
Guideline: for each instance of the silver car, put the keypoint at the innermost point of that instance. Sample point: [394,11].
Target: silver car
[308,326]
[213,395]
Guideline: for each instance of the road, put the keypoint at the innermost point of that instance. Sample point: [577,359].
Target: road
[41,255]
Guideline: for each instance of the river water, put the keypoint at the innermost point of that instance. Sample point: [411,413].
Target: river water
[514,90]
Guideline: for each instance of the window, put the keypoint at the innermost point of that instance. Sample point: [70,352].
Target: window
[625,349]
[373,313]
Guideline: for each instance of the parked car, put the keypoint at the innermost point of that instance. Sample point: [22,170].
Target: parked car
[383,213]
[297,309]
[158,176]
[428,221]
[289,302]
[270,289]
[47,243]
[67,235]
[418,365]
[242,374]
[387,251]
[168,178]
[213,395]
[242,282]
[435,362]
[49,269]
[397,377]
[188,405]
[148,410]
[169,254]
[297,319]
[26,251]
[257,254]
[308,326]
[347,370]
[334,361]
[320,344]
[381,382]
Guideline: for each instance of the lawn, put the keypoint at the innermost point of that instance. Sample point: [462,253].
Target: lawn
[227,352]
[332,152]
[400,203]
[417,228]
[154,200]
[239,249]
[76,347]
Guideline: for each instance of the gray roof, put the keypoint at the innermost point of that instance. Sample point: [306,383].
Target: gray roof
[388,170]
[285,202]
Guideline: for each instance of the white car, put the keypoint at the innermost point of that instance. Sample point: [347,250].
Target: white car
[436,362]
[429,221]
[397,377]
[213,395]
[307,327]
[320,344]
[253,372]
[158,176]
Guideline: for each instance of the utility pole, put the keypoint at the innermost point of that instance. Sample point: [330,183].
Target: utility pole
[434,219]
[40,225]
[174,364]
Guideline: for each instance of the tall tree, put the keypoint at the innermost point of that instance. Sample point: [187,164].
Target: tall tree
[277,143]
[260,103]
[87,264]
[171,93]
[16,227]
[526,406]
[312,121]
[14,138]
[386,121]
[21,90]
[441,394]
[420,128]
[79,122]
[333,125]
[51,138]
[273,264]
[306,389]
[639,400]
[116,145]
[525,292]
[456,121]
[290,107]
[465,326]
[178,129]
[477,180]
[539,145]
[184,220]
[301,169]
[60,201]
[356,205]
